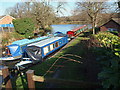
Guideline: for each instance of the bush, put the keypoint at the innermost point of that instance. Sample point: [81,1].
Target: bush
[45,31]
[24,26]
[109,57]
[9,37]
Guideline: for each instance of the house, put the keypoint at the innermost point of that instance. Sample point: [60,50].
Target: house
[6,23]
[111,25]
[6,19]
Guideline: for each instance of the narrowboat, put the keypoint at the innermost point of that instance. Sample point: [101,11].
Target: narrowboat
[39,50]
[73,33]
[16,50]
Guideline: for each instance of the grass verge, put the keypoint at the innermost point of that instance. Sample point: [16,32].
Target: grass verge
[70,71]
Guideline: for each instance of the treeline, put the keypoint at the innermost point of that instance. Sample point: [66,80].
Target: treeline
[79,19]
[94,13]
[43,14]
[34,17]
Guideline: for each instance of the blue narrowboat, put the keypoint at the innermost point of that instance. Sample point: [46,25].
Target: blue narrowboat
[16,50]
[31,51]
[37,51]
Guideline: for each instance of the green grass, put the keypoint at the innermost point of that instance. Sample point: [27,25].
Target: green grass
[74,48]
[70,71]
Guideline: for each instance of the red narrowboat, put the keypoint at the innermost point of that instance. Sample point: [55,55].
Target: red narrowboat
[73,33]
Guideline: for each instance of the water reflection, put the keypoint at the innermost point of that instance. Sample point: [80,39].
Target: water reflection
[65,27]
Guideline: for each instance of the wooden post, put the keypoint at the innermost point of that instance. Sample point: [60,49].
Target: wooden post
[2,29]
[31,83]
[9,29]
[5,73]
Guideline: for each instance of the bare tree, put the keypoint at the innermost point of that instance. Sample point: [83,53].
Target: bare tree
[118,4]
[16,11]
[27,9]
[43,14]
[40,11]
[60,8]
[20,10]
[92,9]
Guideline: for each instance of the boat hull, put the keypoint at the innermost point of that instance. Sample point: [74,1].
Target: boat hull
[10,61]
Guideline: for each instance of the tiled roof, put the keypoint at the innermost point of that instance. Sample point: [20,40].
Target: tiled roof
[6,15]
[116,20]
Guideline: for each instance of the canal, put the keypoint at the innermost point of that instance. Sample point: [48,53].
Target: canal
[65,27]
[55,28]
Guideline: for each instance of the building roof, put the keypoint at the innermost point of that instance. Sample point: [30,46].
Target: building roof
[1,17]
[28,41]
[116,21]
[45,42]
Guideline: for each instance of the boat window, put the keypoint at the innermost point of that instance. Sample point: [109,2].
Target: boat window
[8,52]
[60,42]
[51,47]
[46,50]
[64,40]
[56,44]
[75,33]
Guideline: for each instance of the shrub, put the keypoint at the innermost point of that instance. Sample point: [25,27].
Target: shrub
[24,26]
[9,37]
[109,57]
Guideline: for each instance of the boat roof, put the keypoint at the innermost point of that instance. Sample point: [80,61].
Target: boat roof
[78,28]
[45,42]
[27,41]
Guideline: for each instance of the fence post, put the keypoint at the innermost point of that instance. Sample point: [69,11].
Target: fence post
[2,30]
[31,83]
[6,74]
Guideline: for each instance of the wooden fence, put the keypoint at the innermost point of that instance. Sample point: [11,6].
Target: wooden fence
[31,78]
[6,77]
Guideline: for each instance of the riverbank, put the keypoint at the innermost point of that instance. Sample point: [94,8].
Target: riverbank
[72,22]
[68,70]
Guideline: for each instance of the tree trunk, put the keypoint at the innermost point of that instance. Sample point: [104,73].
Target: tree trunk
[93,30]
[93,26]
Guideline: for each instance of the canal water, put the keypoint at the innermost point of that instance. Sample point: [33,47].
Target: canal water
[65,27]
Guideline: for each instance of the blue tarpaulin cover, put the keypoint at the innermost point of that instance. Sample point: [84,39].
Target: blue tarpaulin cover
[15,50]
[28,41]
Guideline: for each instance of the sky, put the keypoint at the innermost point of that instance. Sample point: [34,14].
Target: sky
[69,7]
[4,4]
